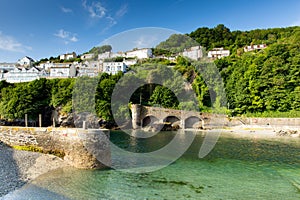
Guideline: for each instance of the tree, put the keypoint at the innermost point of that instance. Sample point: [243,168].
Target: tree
[176,43]
[101,49]
[164,97]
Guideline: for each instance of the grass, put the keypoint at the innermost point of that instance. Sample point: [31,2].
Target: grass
[28,148]
[274,114]
[32,148]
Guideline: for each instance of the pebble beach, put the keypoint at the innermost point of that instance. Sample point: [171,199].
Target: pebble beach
[20,167]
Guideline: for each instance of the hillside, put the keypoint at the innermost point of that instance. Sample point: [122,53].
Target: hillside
[260,81]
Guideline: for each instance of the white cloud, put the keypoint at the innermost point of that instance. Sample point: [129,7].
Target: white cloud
[66,36]
[122,11]
[62,34]
[96,10]
[8,43]
[74,39]
[66,10]
[111,23]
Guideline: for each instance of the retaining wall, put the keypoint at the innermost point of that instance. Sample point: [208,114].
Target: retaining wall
[275,122]
[81,148]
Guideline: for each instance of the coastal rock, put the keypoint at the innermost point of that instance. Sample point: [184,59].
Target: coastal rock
[293,133]
[155,127]
[80,148]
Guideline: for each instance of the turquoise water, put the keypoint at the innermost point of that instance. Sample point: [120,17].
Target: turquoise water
[237,168]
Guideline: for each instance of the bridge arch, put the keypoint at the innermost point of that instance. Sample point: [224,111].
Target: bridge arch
[191,121]
[149,120]
[171,119]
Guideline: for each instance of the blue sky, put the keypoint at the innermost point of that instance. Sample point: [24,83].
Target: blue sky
[44,28]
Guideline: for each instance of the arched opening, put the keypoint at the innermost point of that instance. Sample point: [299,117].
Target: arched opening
[171,123]
[171,119]
[193,122]
[149,121]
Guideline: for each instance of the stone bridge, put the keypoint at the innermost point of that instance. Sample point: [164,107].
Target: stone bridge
[143,116]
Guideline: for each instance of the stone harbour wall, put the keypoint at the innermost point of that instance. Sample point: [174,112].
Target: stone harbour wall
[81,148]
[274,122]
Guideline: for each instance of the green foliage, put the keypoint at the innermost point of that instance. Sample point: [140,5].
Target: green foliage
[72,60]
[123,113]
[266,81]
[28,148]
[58,153]
[87,95]
[25,98]
[32,148]
[175,43]
[259,83]
[101,49]
[103,95]
[219,36]
[33,98]
[164,97]
[274,114]
[84,91]
[61,93]
[116,59]
[158,51]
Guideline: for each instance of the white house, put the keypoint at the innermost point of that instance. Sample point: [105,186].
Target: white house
[218,53]
[24,75]
[87,56]
[7,66]
[129,62]
[4,68]
[114,67]
[45,65]
[88,68]
[136,53]
[63,70]
[67,56]
[26,61]
[139,53]
[110,54]
[170,58]
[254,47]
[194,53]
[105,55]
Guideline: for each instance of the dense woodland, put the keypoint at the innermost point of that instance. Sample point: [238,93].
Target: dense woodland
[262,82]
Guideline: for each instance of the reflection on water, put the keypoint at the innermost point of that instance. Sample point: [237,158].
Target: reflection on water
[236,169]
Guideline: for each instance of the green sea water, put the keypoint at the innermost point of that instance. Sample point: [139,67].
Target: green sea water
[237,168]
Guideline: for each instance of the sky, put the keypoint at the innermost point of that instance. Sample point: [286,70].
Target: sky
[45,28]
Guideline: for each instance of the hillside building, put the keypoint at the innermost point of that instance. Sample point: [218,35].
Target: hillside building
[194,53]
[26,61]
[63,70]
[114,67]
[218,53]
[254,47]
[67,56]
[19,75]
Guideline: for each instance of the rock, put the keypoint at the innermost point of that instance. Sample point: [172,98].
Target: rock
[292,133]
[176,125]
[198,125]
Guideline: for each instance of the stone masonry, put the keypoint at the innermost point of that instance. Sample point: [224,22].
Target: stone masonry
[81,148]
